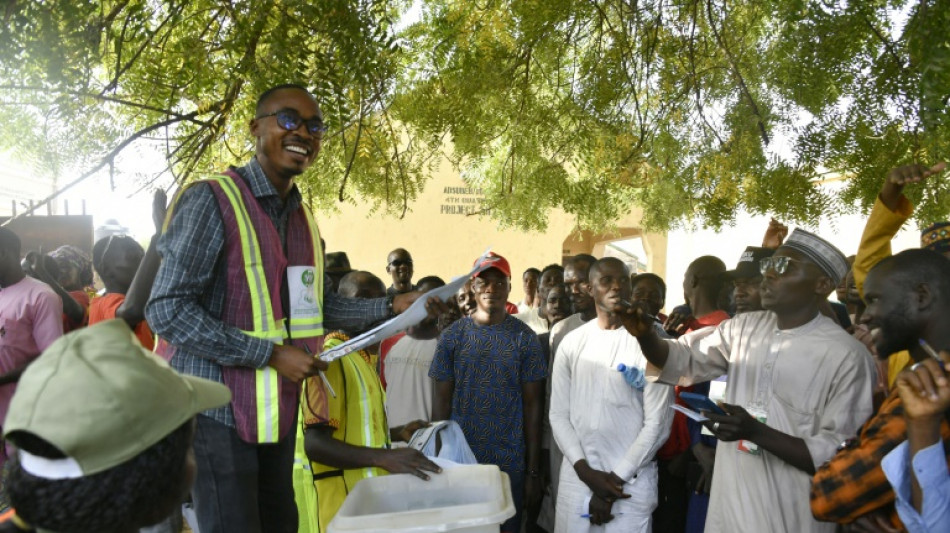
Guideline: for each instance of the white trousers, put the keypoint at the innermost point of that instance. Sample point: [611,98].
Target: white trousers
[631,515]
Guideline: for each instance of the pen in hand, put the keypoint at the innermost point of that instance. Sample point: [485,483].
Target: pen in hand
[320,373]
[931,352]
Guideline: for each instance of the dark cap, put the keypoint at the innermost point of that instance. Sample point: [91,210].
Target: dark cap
[748,266]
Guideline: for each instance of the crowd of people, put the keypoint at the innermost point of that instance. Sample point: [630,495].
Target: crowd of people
[190,380]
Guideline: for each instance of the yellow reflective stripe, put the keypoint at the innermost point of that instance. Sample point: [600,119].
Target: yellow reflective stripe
[251,253]
[304,331]
[275,333]
[267,381]
[268,404]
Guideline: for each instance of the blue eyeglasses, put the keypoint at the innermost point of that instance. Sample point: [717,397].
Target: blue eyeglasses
[290,120]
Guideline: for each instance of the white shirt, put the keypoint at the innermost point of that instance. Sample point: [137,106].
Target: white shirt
[408,385]
[561,329]
[813,382]
[534,321]
[524,307]
[595,414]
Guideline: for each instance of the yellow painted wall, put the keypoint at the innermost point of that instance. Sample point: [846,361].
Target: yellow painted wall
[444,241]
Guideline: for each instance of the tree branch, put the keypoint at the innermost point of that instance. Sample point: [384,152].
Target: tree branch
[737,73]
[106,160]
[113,100]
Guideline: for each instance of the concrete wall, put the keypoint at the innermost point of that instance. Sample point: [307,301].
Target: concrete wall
[444,240]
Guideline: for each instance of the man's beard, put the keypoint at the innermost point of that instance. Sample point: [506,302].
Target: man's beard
[897,333]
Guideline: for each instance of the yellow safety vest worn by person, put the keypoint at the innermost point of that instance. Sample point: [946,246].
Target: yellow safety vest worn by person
[355,409]
[263,402]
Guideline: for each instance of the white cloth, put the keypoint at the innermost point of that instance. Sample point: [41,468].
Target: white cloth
[444,440]
[597,416]
[813,382]
[534,321]
[547,514]
[562,328]
[524,307]
[408,385]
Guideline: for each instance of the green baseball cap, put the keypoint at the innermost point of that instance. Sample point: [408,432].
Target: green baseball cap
[101,398]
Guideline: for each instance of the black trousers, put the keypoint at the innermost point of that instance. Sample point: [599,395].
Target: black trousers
[243,487]
[670,513]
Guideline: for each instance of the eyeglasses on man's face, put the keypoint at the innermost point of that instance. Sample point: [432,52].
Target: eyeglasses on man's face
[778,263]
[290,120]
[400,262]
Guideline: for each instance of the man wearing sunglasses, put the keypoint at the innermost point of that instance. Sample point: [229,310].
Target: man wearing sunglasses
[399,266]
[239,299]
[799,385]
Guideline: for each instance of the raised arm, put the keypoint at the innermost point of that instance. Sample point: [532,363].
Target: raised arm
[639,323]
[132,309]
[887,216]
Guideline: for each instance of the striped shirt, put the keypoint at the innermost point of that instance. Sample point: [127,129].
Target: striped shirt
[189,293]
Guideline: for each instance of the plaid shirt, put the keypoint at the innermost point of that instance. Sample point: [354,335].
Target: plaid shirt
[852,483]
[189,293]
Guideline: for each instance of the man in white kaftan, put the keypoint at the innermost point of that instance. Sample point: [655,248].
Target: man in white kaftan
[812,382]
[799,386]
[600,421]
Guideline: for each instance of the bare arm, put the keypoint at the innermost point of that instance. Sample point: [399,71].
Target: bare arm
[132,309]
[323,448]
[533,399]
[654,348]
[442,400]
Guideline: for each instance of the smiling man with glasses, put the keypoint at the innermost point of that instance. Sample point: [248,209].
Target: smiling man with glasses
[239,299]
[799,385]
[399,266]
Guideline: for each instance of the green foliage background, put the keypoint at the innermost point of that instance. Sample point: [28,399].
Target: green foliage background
[687,109]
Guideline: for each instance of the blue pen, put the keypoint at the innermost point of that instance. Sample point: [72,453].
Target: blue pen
[931,352]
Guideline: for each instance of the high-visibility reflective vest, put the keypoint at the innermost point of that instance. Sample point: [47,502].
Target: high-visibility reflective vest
[264,402]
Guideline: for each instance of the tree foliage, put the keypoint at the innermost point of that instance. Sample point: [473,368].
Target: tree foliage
[689,109]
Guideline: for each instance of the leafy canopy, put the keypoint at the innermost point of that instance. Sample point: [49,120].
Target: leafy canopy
[687,109]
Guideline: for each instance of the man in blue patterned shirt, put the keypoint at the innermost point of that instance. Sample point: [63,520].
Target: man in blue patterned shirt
[241,485]
[489,371]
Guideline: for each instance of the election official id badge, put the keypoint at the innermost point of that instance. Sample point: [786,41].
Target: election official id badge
[303,298]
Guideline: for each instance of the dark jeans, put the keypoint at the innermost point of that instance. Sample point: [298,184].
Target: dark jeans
[670,513]
[243,487]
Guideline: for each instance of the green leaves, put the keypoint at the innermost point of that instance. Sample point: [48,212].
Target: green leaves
[689,110]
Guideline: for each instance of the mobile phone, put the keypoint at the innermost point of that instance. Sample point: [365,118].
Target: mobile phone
[701,403]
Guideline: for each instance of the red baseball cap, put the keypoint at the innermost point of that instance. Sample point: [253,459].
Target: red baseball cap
[493,260]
